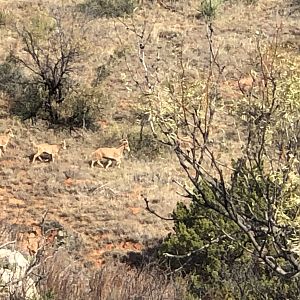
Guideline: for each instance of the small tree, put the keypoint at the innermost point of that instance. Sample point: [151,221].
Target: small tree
[51,51]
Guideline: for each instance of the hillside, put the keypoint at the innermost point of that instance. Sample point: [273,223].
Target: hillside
[97,214]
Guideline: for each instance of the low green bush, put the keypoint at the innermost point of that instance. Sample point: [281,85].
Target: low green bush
[108,8]
[25,97]
[146,146]
[208,8]
[219,266]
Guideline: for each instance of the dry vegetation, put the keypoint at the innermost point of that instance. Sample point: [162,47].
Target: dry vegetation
[103,213]
[105,208]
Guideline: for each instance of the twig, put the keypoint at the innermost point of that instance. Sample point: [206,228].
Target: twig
[153,212]
[92,190]
[44,216]
[166,254]
[6,244]
[114,192]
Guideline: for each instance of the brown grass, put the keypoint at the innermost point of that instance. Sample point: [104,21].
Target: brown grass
[104,212]
[102,207]
[114,281]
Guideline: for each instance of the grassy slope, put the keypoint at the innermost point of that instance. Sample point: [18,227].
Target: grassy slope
[104,217]
[113,217]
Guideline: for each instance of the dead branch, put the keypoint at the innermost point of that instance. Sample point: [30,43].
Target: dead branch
[153,212]
[216,240]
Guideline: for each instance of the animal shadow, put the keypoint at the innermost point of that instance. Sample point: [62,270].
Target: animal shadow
[45,158]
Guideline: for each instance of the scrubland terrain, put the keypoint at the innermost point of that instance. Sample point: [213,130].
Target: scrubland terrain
[96,214]
[104,208]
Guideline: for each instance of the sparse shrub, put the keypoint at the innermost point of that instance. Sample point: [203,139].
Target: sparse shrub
[3,18]
[146,145]
[48,90]
[108,8]
[81,107]
[49,295]
[50,63]
[85,106]
[104,70]
[208,8]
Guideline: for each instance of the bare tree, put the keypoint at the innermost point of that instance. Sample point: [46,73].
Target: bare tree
[260,191]
[50,55]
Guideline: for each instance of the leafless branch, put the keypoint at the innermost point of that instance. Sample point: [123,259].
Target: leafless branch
[153,212]
[7,243]
[216,240]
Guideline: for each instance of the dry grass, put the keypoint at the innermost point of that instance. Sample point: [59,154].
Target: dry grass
[114,281]
[235,29]
[59,276]
[105,210]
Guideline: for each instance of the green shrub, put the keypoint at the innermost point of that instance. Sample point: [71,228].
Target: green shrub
[25,96]
[28,104]
[208,8]
[194,229]
[239,237]
[108,8]
[145,145]
[83,107]
[10,76]
[42,84]
[220,268]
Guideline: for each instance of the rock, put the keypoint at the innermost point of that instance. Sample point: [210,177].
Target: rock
[13,267]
